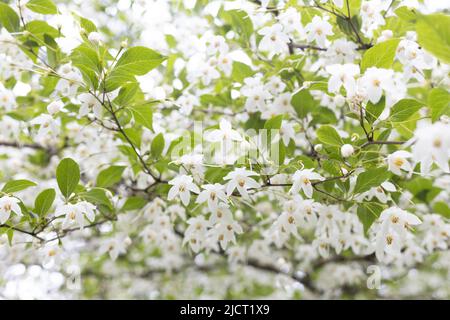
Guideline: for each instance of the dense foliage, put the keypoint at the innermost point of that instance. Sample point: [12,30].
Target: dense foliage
[224,149]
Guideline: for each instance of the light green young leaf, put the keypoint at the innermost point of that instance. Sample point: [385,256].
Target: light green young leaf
[136,61]
[370,178]
[134,203]
[44,201]
[42,6]
[17,185]
[303,102]
[439,103]
[143,115]
[404,109]
[380,55]
[9,18]
[433,34]
[109,176]
[368,212]
[328,135]
[157,146]
[67,176]
[241,71]
[274,123]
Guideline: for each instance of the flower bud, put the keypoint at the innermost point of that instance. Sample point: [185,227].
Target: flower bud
[94,37]
[318,147]
[347,150]
[55,107]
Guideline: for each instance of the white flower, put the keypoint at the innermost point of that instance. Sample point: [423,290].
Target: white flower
[115,246]
[75,213]
[318,30]
[240,180]
[7,98]
[225,232]
[347,150]
[47,125]
[195,233]
[182,186]
[302,180]
[376,80]
[274,41]
[89,103]
[432,144]
[224,134]
[221,214]
[55,107]
[94,37]
[395,224]
[342,75]
[212,193]
[290,19]
[398,160]
[8,205]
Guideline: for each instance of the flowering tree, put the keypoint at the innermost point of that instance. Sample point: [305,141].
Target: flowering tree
[224,149]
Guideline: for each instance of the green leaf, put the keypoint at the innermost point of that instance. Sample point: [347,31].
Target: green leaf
[439,103]
[109,176]
[134,203]
[157,146]
[240,22]
[370,178]
[433,34]
[241,71]
[367,213]
[17,185]
[126,94]
[274,123]
[136,61]
[303,102]
[404,109]
[442,208]
[373,111]
[346,26]
[380,55]
[42,6]
[9,18]
[67,176]
[86,59]
[87,25]
[38,28]
[97,196]
[44,201]
[143,115]
[328,135]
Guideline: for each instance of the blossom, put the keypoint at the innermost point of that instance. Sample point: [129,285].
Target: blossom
[115,246]
[342,75]
[212,193]
[182,186]
[302,180]
[274,40]
[224,134]
[89,103]
[395,224]
[347,150]
[290,19]
[318,30]
[375,80]
[55,107]
[432,145]
[8,205]
[398,160]
[225,232]
[76,213]
[240,180]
